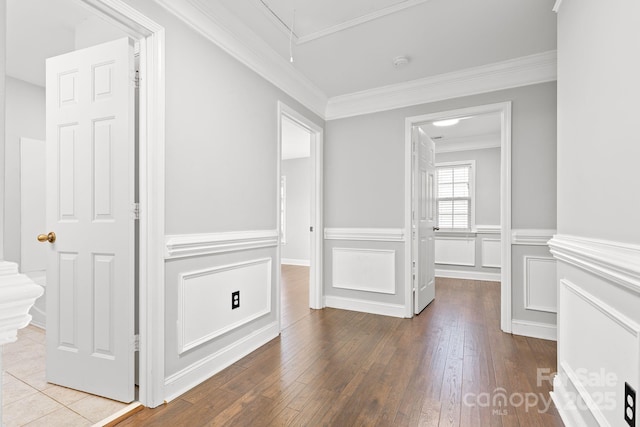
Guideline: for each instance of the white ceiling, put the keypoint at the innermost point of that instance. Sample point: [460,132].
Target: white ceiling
[296,141]
[471,133]
[40,29]
[348,46]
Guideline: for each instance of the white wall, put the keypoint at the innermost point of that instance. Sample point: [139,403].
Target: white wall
[25,117]
[221,188]
[598,241]
[298,211]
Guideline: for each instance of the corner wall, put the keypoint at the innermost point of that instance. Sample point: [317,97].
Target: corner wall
[598,240]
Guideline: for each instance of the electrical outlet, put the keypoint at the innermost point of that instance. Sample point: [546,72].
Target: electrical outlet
[629,405]
[235,300]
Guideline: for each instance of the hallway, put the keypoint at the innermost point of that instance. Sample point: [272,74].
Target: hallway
[448,366]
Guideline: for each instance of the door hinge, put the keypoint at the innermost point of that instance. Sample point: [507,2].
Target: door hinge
[136,342]
[311,229]
[136,79]
[135,210]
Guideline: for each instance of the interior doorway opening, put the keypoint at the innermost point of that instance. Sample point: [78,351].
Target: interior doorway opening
[299,204]
[497,116]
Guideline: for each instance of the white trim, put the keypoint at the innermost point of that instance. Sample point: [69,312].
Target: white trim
[556,6]
[373,307]
[292,261]
[151,173]
[217,24]
[566,404]
[523,71]
[359,20]
[487,229]
[468,275]
[188,245]
[527,284]
[365,234]
[613,261]
[385,278]
[316,197]
[119,416]
[589,403]
[543,331]
[504,109]
[184,346]
[468,143]
[532,237]
[205,368]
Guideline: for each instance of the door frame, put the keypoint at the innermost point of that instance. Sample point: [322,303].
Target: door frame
[151,37]
[504,109]
[316,300]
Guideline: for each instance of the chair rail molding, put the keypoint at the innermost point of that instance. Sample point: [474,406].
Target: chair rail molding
[365,234]
[613,261]
[532,237]
[188,245]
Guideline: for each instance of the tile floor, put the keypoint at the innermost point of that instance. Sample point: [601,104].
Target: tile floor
[29,400]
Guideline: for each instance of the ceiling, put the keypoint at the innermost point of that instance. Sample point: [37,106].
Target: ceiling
[40,29]
[349,46]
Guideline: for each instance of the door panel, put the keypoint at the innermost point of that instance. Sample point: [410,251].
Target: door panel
[424,221]
[90,196]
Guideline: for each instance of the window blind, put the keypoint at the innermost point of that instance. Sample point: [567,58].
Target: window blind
[454,197]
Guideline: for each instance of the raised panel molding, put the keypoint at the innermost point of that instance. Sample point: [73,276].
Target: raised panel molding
[523,71]
[365,234]
[456,251]
[204,300]
[370,270]
[186,245]
[540,284]
[593,325]
[613,261]
[531,237]
[491,252]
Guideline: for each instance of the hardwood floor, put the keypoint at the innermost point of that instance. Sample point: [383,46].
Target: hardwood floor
[449,366]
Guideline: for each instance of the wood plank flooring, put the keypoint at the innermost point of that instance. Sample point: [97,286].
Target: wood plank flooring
[449,366]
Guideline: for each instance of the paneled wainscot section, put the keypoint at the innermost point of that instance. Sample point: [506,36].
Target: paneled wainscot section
[204,333]
[364,270]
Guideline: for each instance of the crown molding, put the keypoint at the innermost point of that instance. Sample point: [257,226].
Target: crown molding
[556,6]
[523,71]
[467,143]
[221,27]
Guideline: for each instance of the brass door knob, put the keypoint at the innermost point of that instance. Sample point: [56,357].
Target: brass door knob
[51,237]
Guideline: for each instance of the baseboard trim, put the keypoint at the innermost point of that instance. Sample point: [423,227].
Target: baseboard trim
[363,306]
[543,331]
[293,261]
[566,405]
[184,380]
[468,275]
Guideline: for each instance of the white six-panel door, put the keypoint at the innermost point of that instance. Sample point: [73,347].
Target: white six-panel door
[424,219]
[90,196]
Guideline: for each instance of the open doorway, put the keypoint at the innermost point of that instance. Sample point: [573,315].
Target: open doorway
[456,158]
[300,214]
[66,27]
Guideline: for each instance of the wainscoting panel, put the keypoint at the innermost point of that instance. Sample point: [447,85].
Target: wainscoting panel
[204,300]
[540,280]
[372,270]
[590,328]
[491,249]
[456,250]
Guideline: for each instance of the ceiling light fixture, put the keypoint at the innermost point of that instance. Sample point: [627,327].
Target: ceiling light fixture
[400,61]
[448,122]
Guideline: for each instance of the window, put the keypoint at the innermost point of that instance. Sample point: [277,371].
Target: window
[283,209]
[455,195]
